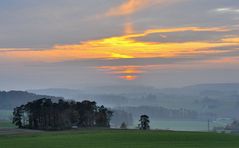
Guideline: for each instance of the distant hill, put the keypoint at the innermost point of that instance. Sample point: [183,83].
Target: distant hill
[200,88]
[156,112]
[216,86]
[123,94]
[221,98]
[11,99]
[61,92]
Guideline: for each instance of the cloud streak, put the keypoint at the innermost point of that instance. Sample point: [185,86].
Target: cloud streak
[130,7]
[129,48]
[125,46]
[227,10]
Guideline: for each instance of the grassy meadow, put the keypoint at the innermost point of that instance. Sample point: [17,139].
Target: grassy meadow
[6,124]
[119,139]
[5,114]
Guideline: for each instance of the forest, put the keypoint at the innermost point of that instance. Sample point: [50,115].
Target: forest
[45,114]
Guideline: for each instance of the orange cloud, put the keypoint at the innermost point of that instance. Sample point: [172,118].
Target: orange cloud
[182,29]
[125,46]
[231,40]
[129,28]
[129,7]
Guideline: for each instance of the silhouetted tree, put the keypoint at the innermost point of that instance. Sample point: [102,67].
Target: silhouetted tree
[103,116]
[17,116]
[86,111]
[144,122]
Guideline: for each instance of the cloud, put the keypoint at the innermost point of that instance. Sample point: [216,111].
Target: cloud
[125,56]
[231,40]
[227,10]
[124,72]
[129,28]
[130,7]
[124,47]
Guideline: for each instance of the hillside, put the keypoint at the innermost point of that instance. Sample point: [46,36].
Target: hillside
[221,99]
[11,99]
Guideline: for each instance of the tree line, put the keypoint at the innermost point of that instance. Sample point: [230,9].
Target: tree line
[44,114]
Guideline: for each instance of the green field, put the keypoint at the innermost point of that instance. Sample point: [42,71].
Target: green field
[6,124]
[5,114]
[186,125]
[119,139]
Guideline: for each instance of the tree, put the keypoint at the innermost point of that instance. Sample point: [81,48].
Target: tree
[87,111]
[103,116]
[17,116]
[234,126]
[123,125]
[144,122]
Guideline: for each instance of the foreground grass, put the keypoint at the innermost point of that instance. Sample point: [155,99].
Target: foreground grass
[119,139]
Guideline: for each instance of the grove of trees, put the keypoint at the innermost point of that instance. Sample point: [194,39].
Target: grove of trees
[44,114]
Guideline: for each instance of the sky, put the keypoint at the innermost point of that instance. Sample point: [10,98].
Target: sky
[78,43]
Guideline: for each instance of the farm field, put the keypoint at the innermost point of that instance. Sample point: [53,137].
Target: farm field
[186,125]
[5,114]
[6,124]
[118,139]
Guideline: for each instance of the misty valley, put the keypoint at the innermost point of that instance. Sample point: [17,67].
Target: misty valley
[192,108]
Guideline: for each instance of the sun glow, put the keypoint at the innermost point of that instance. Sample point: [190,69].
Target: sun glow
[128,77]
[124,72]
[125,47]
